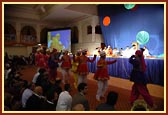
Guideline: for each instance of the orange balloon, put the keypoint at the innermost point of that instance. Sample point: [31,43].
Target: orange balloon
[106,21]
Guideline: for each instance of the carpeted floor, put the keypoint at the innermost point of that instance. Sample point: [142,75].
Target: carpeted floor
[124,93]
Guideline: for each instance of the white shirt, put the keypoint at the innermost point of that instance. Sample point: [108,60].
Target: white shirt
[25,96]
[35,77]
[64,102]
[7,73]
[146,53]
[131,52]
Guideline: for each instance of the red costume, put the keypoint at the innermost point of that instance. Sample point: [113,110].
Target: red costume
[102,70]
[66,62]
[40,60]
[83,68]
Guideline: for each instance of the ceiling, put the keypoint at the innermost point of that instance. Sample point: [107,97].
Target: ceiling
[50,13]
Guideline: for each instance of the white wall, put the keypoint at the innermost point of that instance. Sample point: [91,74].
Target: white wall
[87,41]
[18,50]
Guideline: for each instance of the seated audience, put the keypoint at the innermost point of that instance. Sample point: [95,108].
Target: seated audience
[109,105]
[65,99]
[36,101]
[80,98]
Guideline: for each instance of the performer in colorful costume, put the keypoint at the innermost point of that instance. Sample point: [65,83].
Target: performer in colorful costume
[101,75]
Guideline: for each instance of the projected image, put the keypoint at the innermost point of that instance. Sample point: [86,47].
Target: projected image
[59,39]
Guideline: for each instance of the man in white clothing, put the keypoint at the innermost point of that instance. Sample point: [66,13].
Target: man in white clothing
[65,99]
[27,93]
[146,51]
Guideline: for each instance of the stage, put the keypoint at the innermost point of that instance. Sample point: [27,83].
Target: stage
[122,69]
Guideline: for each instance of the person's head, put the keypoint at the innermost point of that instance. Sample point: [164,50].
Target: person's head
[78,53]
[65,52]
[38,90]
[112,98]
[139,53]
[47,51]
[84,52]
[54,51]
[58,81]
[103,54]
[38,50]
[67,87]
[78,107]
[139,105]
[82,87]
[42,70]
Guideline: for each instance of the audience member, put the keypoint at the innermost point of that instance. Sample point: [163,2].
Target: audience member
[36,101]
[109,105]
[39,72]
[139,105]
[65,99]
[27,93]
[80,98]
[78,107]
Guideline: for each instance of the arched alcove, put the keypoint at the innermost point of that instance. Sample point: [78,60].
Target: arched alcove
[9,34]
[28,35]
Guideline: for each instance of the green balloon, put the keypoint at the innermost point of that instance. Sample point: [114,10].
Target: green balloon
[142,37]
[129,6]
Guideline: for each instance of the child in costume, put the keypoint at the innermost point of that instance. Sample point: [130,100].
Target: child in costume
[66,65]
[75,64]
[101,75]
[83,70]
[53,64]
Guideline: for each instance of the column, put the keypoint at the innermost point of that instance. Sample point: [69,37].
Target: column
[80,33]
[18,32]
[38,29]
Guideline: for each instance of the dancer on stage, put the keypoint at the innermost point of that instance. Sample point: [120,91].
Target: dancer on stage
[101,75]
[139,79]
[53,64]
[40,59]
[83,70]
[75,64]
[66,65]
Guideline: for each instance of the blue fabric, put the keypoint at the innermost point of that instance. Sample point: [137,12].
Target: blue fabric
[122,69]
[125,24]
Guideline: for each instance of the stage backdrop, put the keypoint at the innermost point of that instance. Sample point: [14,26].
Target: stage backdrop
[121,26]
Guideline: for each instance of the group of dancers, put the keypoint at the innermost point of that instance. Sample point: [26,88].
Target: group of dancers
[78,65]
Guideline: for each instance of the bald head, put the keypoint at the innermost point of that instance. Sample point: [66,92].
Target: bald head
[78,107]
[38,90]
